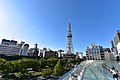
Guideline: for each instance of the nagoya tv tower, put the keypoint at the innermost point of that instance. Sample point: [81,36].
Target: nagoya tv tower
[69,42]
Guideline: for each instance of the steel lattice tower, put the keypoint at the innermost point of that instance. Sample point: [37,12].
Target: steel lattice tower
[69,40]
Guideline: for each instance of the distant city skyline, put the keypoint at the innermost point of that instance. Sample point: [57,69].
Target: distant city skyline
[46,22]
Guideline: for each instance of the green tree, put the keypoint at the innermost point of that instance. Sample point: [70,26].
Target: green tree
[2,66]
[64,61]
[10,66]
[42,63]
[46,72]
[22,65]
[59,69]
[51,62]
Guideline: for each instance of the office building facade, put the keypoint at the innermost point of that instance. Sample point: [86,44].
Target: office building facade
[94,52]
[9,47]
[117,41]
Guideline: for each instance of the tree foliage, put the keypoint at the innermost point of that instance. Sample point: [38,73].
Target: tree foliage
[46,72]
[52,62]
[20,66]
[58,69]
[2,66]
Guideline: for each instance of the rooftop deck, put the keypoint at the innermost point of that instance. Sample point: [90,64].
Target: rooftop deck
[91,70]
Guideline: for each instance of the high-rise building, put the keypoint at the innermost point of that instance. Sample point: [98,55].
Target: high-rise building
[25,50]
[79,55]
[36,50]
[9,47]
[108,54]
[47,53]
[94,52]
[13,42]
[117,37]
[21,44]
[5,42]
[113,48]
[60,53]
[117,41]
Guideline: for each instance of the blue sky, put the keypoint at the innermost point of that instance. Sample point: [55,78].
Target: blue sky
[46,22]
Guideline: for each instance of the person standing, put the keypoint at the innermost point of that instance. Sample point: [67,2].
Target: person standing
[114,72]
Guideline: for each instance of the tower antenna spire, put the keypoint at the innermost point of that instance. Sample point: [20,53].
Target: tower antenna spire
[69,26]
